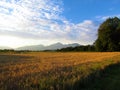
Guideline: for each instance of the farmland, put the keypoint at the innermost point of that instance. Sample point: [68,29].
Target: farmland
[60,71]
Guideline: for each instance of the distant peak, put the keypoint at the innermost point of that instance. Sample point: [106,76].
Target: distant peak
[58,43]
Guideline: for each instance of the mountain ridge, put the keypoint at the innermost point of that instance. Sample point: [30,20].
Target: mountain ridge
[49,47]
[5,47]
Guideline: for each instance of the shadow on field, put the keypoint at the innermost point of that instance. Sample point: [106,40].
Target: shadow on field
[104,79]
[14,58]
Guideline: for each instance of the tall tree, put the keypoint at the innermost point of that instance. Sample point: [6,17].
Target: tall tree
[109,35]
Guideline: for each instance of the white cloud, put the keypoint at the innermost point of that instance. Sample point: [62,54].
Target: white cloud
[105,17]
[42,21]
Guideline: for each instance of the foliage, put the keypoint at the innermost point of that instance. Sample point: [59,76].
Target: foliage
[87,48]
[109,35]
[6,50]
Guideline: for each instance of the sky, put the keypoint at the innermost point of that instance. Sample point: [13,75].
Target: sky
[34,22]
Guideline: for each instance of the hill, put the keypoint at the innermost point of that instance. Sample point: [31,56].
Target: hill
[50,47]
[4,47]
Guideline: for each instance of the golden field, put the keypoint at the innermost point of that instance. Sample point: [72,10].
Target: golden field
[50,70]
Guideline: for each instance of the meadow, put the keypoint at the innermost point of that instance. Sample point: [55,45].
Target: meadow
[60,71]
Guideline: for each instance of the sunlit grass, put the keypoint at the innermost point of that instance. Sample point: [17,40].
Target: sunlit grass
[51,70]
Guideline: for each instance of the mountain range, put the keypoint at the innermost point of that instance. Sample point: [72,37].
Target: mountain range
[4,47]
[50,47]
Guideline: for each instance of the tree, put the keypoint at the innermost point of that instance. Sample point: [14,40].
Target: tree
[109,35]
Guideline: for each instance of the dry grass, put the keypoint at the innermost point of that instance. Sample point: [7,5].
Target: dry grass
[32,70]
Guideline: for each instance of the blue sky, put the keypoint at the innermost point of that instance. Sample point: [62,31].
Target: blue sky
[33,22]
[80,10]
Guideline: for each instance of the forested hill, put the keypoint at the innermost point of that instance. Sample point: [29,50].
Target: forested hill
[78,48]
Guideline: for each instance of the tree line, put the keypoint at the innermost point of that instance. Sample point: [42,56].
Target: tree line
[78,48]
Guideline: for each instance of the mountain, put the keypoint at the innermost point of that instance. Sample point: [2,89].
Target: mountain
[4,47]
[60,45]
[55,46]
[33,47]
[74,45]
[50,47]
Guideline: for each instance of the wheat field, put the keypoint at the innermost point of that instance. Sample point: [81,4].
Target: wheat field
[50,70]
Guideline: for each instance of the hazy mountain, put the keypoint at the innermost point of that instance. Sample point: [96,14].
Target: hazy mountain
[4,47]
[73,45]
[60,45]
[55,46]
[50,47]
[33,47]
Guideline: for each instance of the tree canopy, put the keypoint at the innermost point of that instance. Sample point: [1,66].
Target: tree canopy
[109,35]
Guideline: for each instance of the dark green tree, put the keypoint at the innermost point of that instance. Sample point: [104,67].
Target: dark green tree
[109,35]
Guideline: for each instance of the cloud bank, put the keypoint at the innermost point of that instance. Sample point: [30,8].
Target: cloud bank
[39,20]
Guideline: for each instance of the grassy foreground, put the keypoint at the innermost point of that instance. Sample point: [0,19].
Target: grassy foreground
[60,71]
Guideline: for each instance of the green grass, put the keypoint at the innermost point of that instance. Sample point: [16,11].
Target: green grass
[107,78]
